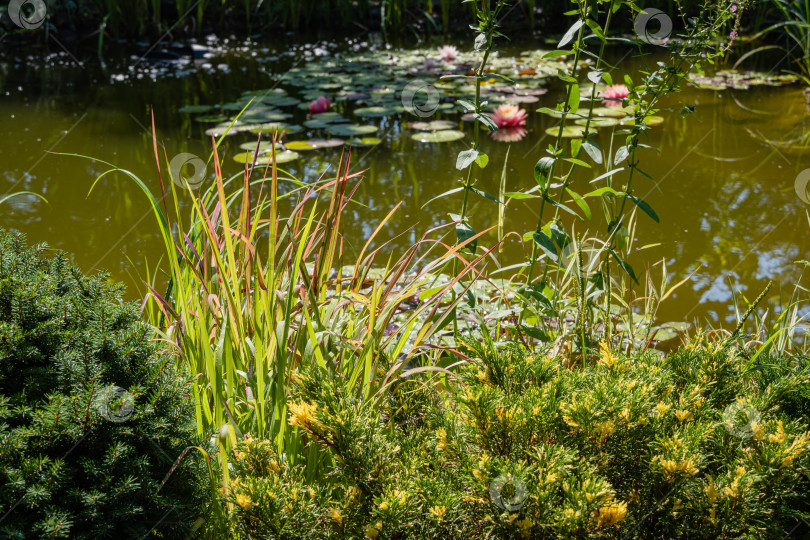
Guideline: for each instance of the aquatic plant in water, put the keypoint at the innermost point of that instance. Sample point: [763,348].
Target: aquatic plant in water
[320,105]
[564,303]
[448,53]
[509,119]
[614,94]
[508,115]
[375,84]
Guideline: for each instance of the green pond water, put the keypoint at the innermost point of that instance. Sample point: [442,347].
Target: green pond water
[724,188]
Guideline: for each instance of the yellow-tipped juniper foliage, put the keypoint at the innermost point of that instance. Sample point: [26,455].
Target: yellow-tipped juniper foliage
[632,447]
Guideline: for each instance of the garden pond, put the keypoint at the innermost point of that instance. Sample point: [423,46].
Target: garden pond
[725,182]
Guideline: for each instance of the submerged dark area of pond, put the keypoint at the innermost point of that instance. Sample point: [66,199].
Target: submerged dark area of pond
[724,183]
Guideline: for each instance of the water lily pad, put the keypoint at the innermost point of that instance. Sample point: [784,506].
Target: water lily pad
[612,112]
[264,146]
[327,143]
[680,326]
[352,96]
[236,106]
[266,92]
[382,93]
[195,108]
[446,135]
[310,95]
[264,159]
[242,157]
[273,127]
[665,334]
[435,125]
[350,130]
[377,112]
[523,99]
[219,131]
[739,80]
[503,89]
[283,157]
[599,122]
[299,145]
[313,144]
[316,124]
[261,115]
[650,121]
[532,91]
[365,141]
[552,113]
[328,117]
[211,118]
[281,101]
[572,132]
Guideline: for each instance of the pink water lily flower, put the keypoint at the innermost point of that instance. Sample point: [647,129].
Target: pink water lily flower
[509,135]
[508,115]
[614,94]
[322,104]
[448,53]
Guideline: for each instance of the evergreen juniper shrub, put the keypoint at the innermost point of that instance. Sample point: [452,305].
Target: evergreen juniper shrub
[92,414]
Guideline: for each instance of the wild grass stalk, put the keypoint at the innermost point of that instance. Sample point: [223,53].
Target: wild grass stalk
[486,14]
[547,298]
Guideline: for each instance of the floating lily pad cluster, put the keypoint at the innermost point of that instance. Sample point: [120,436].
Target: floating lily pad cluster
[740,80]
[262,153]
[376,93]
[379,85]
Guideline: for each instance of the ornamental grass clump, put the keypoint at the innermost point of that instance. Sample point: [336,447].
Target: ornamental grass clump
[518,446]
[95,424]
[259,289]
